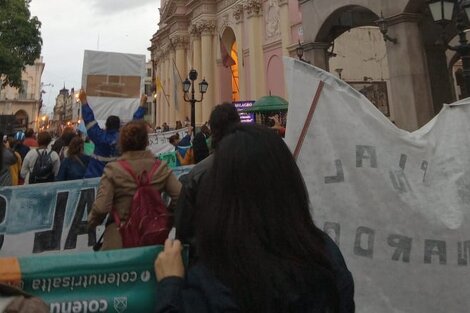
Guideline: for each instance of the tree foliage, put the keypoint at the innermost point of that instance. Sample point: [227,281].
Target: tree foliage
[20,40]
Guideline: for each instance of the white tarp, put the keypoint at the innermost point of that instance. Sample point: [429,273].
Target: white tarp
[114,82]
[397,203]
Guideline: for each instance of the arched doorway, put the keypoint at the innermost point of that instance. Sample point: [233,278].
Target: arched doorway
[230,86]
[359,57]
[358,53]
[21,118]
[275,76]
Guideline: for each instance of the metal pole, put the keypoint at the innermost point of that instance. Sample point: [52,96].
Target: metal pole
[193,108]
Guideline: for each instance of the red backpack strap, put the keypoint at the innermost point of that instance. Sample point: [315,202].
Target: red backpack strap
[155,167]
[125,165]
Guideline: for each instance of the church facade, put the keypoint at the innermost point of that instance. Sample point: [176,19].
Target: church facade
[236,46]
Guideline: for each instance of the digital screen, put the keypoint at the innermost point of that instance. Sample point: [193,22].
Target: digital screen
[245,117]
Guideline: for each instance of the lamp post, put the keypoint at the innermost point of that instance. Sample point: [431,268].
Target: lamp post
[300,53]
[443,12]
[189,83]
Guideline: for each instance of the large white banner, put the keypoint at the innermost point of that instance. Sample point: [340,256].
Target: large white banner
[397,203]
[114,83]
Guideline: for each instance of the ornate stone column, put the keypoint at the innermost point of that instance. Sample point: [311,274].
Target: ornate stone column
[166,85]
[196,64]
[207,29]
[254,23]
[158,112]
[180,43]
[173,79]
[409,77]
[285,26]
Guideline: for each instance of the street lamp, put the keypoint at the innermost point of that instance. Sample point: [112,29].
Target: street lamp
[189,84]
[443,12]
[300,53]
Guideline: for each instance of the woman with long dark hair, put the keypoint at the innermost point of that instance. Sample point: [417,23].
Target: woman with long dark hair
[259,250]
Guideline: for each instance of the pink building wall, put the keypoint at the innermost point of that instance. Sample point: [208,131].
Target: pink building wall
[274,72]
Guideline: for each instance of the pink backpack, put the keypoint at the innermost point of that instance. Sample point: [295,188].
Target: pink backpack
[149,221]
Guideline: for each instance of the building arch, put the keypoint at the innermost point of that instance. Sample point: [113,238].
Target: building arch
[22,119]
[275,76]
[230,85]
[343,19]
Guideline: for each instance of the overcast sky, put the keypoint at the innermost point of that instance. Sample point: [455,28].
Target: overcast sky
[69,27]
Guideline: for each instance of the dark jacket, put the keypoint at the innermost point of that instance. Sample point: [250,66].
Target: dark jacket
[201,151]
[201,291]
[21,149]
[185,208]
[71,168]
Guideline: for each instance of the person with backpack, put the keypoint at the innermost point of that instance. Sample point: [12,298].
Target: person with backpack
[75,164]
[105,141]
[41,164]
[129,191]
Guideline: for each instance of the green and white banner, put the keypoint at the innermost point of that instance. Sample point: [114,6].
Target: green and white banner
[111,281]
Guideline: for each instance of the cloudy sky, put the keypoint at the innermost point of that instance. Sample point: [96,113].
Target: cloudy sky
[69,27]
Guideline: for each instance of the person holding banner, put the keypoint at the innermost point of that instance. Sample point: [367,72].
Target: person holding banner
[259,249]
[105,140]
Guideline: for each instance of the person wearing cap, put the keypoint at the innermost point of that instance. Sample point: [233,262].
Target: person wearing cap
[19,146]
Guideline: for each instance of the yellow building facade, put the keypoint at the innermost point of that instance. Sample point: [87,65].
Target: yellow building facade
[25,104]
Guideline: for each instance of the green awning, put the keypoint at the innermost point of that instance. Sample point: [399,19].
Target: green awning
[268,104]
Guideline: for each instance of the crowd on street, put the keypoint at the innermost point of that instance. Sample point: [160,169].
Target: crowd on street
[232,209]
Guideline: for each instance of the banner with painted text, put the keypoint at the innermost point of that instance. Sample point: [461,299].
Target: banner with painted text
[49,218]
[397,203]
[109,281]
[159,142]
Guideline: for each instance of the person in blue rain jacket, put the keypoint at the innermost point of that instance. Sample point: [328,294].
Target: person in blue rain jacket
[105,140]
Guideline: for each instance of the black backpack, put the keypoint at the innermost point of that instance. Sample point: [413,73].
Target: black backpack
[43,170]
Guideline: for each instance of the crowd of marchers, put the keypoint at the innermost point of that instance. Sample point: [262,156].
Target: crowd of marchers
[243,211]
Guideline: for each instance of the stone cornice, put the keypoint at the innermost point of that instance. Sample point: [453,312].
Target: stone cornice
[224,4]
[168,10]
[272,45]
[403,18]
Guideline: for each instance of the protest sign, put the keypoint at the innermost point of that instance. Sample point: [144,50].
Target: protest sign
[397,203]
[108,281]
[49,218]
[113,82]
